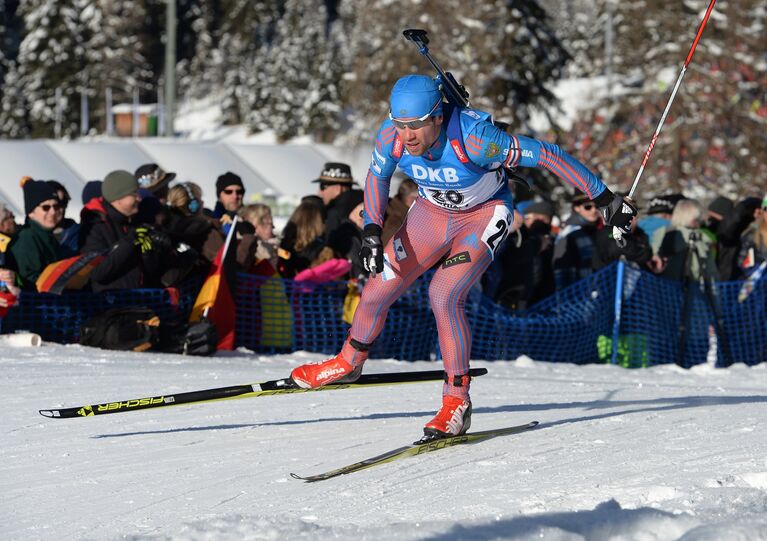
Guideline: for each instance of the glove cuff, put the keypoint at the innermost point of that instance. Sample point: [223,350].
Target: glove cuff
[372,230]
[605,198]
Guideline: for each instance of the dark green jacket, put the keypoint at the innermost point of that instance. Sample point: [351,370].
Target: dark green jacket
[33,248]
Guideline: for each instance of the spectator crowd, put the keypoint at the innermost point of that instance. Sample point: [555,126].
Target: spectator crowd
[150,230]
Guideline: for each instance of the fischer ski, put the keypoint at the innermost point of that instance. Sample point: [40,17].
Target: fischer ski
[417,448]
[264,388]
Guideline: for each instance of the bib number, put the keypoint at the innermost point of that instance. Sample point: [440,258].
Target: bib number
[498,229]
[446,198]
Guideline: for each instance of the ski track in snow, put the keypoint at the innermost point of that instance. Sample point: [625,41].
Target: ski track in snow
[653,454]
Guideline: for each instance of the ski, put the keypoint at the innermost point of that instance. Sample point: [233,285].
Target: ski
[417,448]
[264,388]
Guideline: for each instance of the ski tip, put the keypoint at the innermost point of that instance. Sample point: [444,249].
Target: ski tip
[531,424]
[478,372]
[309,479]
[47,413]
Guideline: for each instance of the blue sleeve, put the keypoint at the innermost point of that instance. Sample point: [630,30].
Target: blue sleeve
[378,179]
[487,146]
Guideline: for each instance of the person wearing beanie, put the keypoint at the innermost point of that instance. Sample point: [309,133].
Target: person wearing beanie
[230,192]
[132,258]
[91,189]
[539,211]
[718,209]
[35,245]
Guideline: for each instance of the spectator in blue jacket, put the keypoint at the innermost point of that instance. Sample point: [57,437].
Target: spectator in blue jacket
[659,215]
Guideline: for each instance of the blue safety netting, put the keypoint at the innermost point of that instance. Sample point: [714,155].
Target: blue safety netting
[276,315]
[57,318]
[563,328]
[578,324]
[726,322]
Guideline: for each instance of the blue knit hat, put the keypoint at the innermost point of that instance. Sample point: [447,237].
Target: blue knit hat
[414,96]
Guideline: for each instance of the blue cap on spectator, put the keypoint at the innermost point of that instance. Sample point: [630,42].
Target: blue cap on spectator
[521,206]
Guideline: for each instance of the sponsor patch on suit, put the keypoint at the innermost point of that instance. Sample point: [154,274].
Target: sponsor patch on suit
[457,259]
[399,249]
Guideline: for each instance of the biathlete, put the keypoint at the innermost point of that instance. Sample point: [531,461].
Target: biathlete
[462,216]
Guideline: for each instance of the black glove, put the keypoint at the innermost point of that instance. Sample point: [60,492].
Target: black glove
[371,252]
[161,241]
[142,239]
[617,211]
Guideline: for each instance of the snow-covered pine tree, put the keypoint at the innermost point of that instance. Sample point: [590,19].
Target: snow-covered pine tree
[199,66]
[50,56]
[504,53]
[581,27]
[299,91]
[14,117]
[521,60]
[323,104]
[3,46]
[114,55]
[244,32]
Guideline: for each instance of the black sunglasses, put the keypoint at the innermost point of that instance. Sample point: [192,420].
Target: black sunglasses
[46,208]
[325,185]
[231,191]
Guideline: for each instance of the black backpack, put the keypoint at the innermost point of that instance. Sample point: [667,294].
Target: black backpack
[198,338]
[126,329]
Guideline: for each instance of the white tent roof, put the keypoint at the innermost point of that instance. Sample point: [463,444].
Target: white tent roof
[280,170]
[202,163]
[35,159]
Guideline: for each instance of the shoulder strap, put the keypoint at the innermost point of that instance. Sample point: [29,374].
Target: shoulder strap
[455,139]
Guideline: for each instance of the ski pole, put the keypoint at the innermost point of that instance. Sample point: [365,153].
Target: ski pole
[454,91]
[617,235]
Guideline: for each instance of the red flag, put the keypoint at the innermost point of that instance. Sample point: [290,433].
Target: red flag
[215,301]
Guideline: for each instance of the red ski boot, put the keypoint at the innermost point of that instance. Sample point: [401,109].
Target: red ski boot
[453,419]
[335,370]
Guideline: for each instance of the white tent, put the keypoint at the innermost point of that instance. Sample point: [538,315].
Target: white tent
[270,170]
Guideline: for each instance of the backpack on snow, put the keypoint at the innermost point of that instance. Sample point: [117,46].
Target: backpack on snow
[125,329]
[198,338]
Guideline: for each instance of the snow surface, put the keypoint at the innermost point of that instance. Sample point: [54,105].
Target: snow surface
[649,454]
